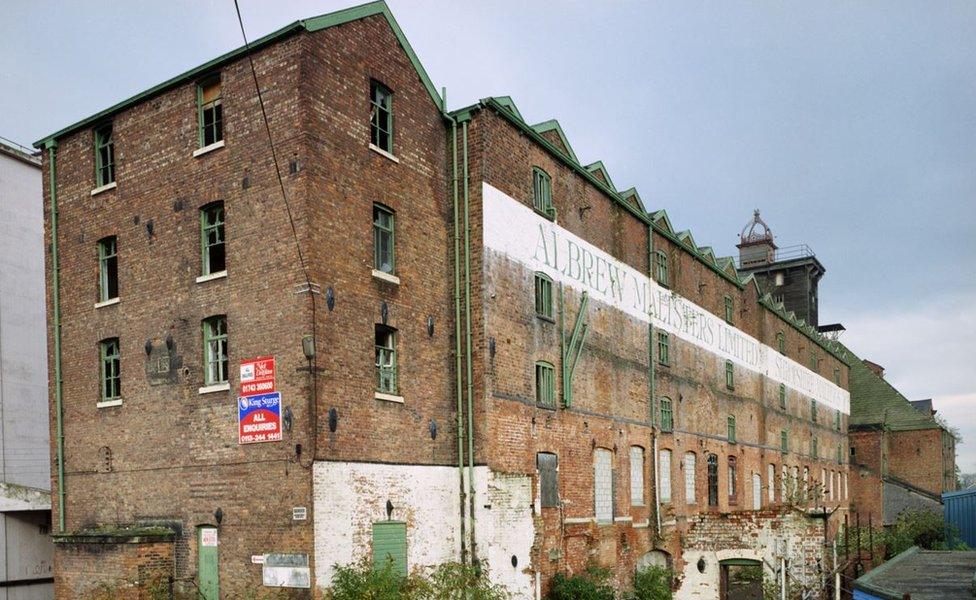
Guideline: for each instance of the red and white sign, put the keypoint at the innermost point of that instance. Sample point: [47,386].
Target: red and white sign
[258,376]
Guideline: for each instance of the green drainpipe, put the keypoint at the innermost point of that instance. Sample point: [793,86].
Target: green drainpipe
[467,335]
[51,146]
[650,378]
[457,329]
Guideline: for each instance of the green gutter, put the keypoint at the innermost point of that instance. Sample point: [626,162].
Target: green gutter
[51,146]
[650,386]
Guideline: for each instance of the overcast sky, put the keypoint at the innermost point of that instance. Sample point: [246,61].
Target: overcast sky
[852,126]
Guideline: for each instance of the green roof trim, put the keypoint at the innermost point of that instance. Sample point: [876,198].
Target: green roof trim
[508,103]
[632,193]
[598,167]
[553,125]
[313,24]
[662,215]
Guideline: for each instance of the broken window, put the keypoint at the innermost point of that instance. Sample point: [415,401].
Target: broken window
[782,396]
[781,342]
[383,230]
[214,254]
[729,375]
[813,410]
[215,349]
[210,112]
[381,117]
[111,374]
[661,273]
[386,360]
[729,310]
[733,481]
[104,155]
[712,463]
[108,269]
[784,441]
[548,466]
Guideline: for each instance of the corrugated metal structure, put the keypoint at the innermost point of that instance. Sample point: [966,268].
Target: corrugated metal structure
[920,575]
[960,514]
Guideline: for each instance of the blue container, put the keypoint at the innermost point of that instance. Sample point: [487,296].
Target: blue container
[960,514]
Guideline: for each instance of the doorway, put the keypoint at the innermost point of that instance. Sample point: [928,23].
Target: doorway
[207,565]
[741,579]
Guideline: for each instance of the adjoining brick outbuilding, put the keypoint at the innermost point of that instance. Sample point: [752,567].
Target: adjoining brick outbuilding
[484,350]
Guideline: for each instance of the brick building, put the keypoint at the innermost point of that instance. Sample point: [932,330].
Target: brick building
[901,456]
[485,351]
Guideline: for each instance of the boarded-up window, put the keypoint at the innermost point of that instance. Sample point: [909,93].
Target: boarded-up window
[664,476]
[637,476]
[548,479]
[690,478]
[390,546]
[771,482]
[603,485]
[756,491]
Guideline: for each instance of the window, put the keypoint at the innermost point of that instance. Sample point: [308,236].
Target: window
[110,369]
[837,376]
[548,466]
[690,477]
[661,274]
[731,429]
[542,192]
[543,296]
[384,258]
[837,420]
[712,480]
[663,348]
[545,385]
[784,441]
[667,415]
[215,350]
[840,455]
[771,482]
[386,360]
[210,113]
[814,447]
[781,342]
[108,269]
[637,476]
[733,481]
[104,156]
[814,362]
[813,411]
[381,117]
[806,483]
[783,489]
[603,485]
[782,396]
[729,375]
[664,476]
[214,254]
[729,309]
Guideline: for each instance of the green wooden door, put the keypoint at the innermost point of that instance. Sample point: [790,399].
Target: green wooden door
[207,563]
[390,545]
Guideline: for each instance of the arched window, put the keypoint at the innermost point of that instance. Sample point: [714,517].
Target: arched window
[733,481]
[771,482]
[667,415]
[712,480]
[731,429]
[664,476]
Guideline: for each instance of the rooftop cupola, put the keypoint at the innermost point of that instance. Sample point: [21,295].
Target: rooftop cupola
[756,245]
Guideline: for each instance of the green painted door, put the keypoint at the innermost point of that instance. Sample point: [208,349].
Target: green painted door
[207,563]
[390,545]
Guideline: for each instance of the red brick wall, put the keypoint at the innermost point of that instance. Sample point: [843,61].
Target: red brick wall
[917,457]
[138,570]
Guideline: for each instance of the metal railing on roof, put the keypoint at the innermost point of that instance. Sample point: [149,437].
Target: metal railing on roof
[780,254]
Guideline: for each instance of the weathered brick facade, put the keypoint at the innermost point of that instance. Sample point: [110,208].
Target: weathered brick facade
[168,454]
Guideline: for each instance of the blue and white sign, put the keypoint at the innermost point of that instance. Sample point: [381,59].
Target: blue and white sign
[259,418]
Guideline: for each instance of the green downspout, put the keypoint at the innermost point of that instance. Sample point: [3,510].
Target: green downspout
[51,146]
[650,379]
[457,329]
[467,325]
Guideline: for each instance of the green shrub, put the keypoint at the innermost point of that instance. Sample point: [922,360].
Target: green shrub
[454,581]
[362,582]
[592,584]
[652,583]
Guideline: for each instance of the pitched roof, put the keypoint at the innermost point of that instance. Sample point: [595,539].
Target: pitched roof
[313,24]
[924,574]
[874,401]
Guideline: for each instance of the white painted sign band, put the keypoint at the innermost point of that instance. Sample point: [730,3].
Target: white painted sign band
[517,232]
